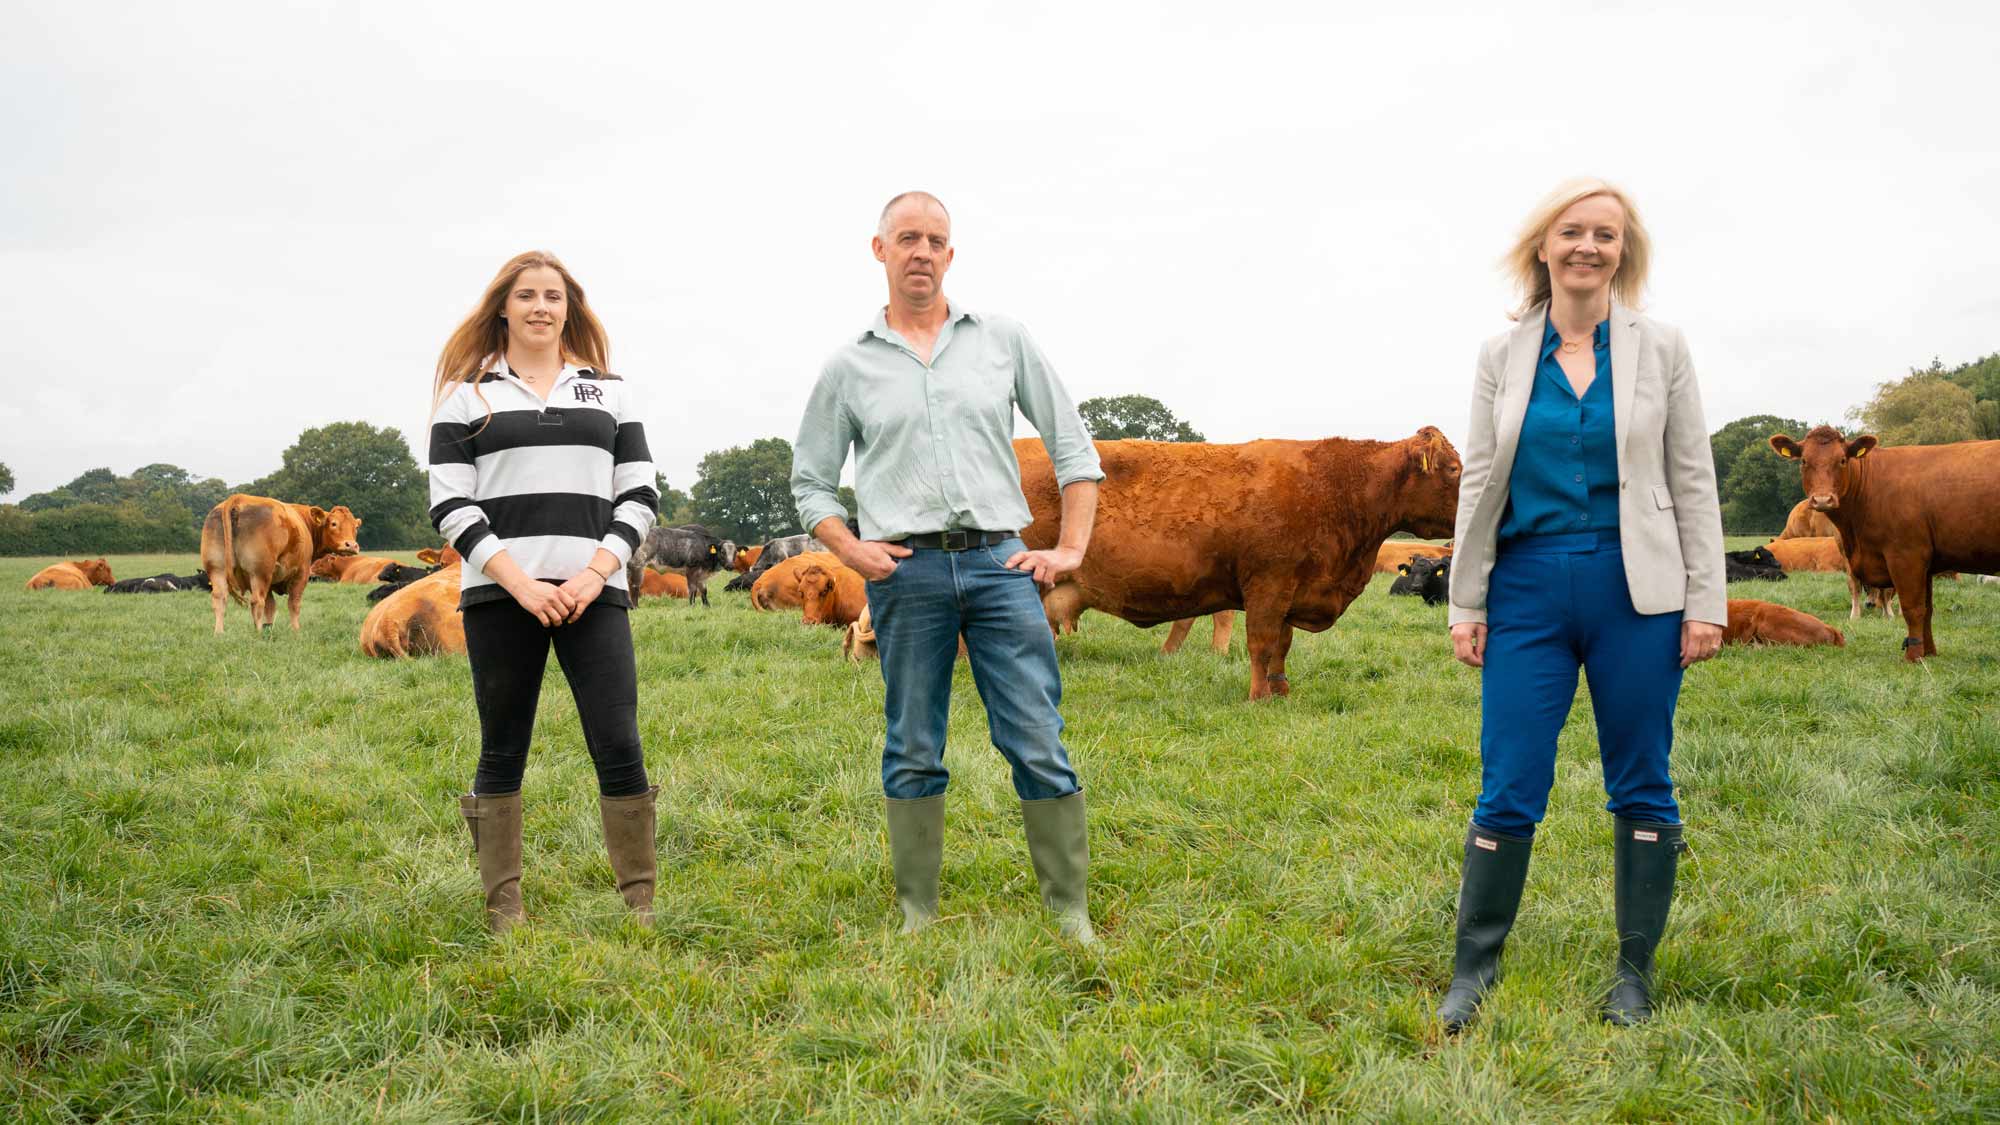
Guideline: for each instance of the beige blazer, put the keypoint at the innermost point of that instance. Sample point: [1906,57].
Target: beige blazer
[1669,522]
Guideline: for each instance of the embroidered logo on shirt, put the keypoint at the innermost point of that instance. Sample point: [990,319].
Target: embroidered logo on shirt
[1483,842]
[588,393]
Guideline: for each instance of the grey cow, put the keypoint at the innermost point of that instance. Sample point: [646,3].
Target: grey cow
[690,550]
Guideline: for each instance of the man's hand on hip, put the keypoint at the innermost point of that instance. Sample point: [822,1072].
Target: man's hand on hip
[874,559]
[1049,567]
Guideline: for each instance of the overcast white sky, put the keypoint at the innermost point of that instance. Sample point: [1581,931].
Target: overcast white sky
[223,223]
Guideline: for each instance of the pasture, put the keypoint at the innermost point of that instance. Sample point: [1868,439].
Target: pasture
[234,884]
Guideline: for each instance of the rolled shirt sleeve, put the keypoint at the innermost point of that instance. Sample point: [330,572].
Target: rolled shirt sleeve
[1046,404]
[454,479]
[825,434]
[636,500]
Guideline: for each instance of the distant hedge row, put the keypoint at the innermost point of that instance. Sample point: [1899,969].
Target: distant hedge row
[81,530]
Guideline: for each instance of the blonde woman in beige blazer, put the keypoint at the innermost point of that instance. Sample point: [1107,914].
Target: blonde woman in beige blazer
[1588,539]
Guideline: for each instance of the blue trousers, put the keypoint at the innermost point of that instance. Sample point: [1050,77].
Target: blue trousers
[1556,603]
[917,614]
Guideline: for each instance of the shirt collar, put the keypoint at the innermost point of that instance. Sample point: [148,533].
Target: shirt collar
[880,329]
[505,372]
[1600,337]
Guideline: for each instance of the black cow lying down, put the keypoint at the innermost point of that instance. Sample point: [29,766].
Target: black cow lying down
[1757,564]
[1426,576]
[159,584]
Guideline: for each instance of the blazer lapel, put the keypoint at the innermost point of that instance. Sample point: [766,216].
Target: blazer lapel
[1524,354]
[1624,373]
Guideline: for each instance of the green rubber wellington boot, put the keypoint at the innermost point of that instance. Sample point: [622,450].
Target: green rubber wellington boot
[916,848]
[1060,848]
[1489,896]
[1644,856]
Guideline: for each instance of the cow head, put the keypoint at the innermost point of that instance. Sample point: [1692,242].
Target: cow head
[97,570]
[333,532]
[1428,576]
[326,566]
[816,590]
[1430,495]
[1823,458]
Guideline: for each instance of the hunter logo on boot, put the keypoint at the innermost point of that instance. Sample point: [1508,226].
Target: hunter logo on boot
[1645,837]
[1485,844]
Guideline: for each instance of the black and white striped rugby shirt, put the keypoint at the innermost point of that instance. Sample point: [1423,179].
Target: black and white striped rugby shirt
[550,482]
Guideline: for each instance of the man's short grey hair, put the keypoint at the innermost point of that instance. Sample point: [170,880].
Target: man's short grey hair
[882,224]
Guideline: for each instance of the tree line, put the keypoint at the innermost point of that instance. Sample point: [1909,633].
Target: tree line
[1932,405]
[744,492]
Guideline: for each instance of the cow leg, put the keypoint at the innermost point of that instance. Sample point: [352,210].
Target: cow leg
[1911,574]
[1854,597]
[218,595]
[297,597]
[1267,632]
[1225,626]
[1177,635]
[260,602]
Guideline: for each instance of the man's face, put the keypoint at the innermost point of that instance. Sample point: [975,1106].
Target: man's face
[915,250]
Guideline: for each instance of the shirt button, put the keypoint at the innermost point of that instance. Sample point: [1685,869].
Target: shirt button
[1573,441]
[1585,517]
[1579,478]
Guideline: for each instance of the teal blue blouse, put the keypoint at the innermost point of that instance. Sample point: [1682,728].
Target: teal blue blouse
[1565,477]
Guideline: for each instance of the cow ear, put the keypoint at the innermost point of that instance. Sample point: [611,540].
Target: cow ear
[1859,447]
[1403,569]
[318,513]
[1785,447]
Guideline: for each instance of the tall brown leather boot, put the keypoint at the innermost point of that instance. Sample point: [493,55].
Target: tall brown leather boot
[629,839]
[495,823]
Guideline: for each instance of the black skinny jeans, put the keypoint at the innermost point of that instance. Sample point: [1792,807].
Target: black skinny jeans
[509,650]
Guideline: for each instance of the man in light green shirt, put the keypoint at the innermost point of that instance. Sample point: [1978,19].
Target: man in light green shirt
[926,398]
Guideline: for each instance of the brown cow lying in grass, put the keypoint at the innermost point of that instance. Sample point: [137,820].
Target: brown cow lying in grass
[351,570]
[1394,553]
[778,587]
[254,546]
[832,594]
[1823,553]
[1804,523]
[655,584]
[79,575]
[1767,623]
[421,619]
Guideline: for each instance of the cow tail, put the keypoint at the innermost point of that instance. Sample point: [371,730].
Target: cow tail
[229,555]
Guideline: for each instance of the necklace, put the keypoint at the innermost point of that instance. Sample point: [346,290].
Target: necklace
[1571,347]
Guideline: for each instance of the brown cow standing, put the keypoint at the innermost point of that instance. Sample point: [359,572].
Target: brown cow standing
[1753,622]
[832,594]
[254,546]
[1804,523]
[1286,531]
[1904,513]
[421,619]
[79,575]
[1064,604]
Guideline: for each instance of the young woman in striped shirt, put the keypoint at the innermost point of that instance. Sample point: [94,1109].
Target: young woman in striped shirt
[540,477]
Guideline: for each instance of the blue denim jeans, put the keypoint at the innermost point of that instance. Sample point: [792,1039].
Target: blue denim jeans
[1557,603]
[918,613]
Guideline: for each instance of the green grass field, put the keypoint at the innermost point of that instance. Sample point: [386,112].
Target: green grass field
[234,885]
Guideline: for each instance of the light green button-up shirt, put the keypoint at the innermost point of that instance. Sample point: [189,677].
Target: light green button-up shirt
[933,444]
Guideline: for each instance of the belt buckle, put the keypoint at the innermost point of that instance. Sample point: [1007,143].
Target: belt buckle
[963,540]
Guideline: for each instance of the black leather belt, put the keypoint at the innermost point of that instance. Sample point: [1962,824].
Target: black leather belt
[961,540]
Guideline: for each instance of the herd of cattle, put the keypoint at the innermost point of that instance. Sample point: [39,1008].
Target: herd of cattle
[1288,532]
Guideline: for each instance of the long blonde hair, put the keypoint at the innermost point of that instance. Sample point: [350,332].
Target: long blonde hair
[1531,276]
[481,338]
